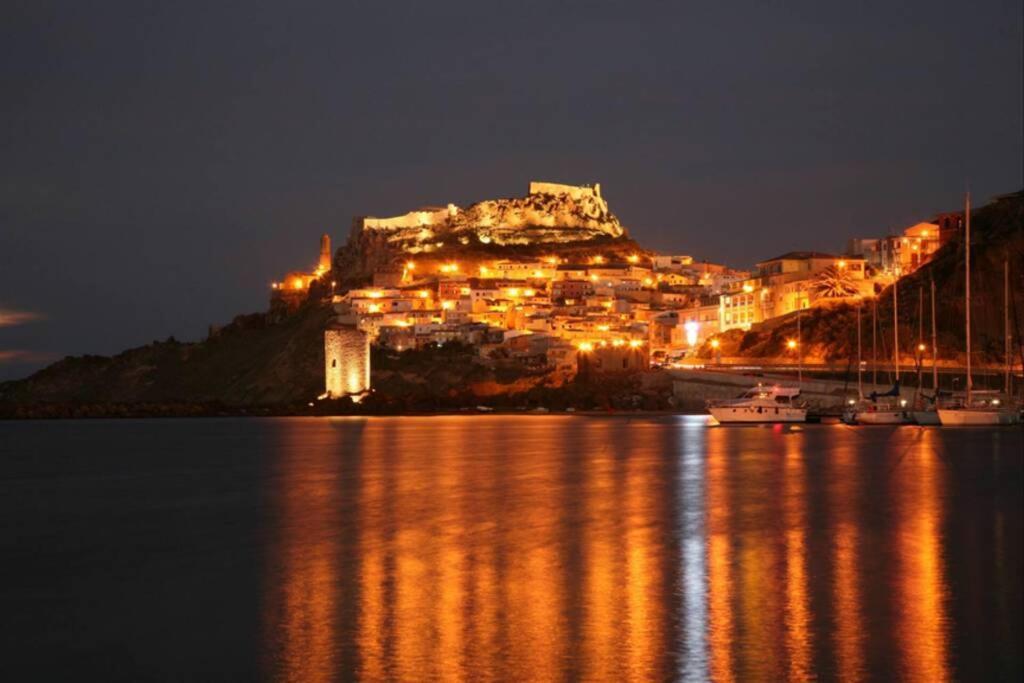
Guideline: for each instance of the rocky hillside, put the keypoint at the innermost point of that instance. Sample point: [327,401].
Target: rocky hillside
[251,361]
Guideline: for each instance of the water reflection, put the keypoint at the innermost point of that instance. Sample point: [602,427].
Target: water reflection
[847,636]
[922,589]
[609,549]
[798,618]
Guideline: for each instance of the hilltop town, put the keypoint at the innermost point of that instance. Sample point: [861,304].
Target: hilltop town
[603,304]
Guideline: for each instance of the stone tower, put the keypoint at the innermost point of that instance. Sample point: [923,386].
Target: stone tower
[346,360]
[325,253]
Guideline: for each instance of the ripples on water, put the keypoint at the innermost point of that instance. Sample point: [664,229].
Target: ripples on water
[539,548]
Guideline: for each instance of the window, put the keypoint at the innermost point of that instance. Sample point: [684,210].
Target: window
[334,363]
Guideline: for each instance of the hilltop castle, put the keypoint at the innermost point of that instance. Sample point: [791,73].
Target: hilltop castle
[550,212]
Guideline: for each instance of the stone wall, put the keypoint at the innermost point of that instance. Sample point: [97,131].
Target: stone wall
[577,192]
[347,361]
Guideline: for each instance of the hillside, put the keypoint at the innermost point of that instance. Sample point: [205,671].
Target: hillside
[829,333]
[251,361]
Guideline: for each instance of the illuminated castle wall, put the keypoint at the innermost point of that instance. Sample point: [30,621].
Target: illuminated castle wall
[346,361]
[576,192]
[547,204]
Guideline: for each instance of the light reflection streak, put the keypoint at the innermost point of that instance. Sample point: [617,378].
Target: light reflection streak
[373,600]
[645,602]
[719,562]
[302,612]
[694,603]
[799,638]
[602,575]
[848,635]
[923,631]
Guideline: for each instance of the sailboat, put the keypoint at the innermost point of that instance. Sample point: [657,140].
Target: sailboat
[981,407]
[892,410]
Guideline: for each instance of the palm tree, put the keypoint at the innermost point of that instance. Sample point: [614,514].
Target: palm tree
[834,283]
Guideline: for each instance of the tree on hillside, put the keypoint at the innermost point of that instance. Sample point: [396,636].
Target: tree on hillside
[834,283]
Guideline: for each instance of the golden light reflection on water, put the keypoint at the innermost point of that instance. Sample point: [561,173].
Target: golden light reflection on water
[798,612]
[720,550]
[922,589]
[306,598]
[848,633]
[600,549]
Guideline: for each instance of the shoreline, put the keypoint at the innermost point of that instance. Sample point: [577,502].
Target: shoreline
[97,412]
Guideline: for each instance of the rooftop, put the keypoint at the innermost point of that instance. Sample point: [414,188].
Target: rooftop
[800,256]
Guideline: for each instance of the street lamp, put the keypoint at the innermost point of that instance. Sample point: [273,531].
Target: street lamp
[794,345]
[716,345]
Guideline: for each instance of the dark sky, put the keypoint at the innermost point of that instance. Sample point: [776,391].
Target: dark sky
[160,163]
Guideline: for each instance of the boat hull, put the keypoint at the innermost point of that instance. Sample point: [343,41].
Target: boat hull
[752,415]
[883,417]
[966,417]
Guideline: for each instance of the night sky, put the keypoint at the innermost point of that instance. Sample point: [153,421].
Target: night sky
[160,163]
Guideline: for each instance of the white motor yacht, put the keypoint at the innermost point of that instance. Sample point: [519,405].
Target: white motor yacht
[760,404]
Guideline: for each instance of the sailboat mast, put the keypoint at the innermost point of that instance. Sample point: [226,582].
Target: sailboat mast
[935,346]
[920,337]
[1006,324]
[896,328]
[920,317]
[967,290]
[874,344]
[860,379]
[799,350]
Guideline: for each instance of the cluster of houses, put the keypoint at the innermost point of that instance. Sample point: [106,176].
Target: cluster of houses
[610,312]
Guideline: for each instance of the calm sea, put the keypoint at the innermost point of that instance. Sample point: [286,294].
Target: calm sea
[504,547]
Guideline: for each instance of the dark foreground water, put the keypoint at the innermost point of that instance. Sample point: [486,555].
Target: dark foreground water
[494,547]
